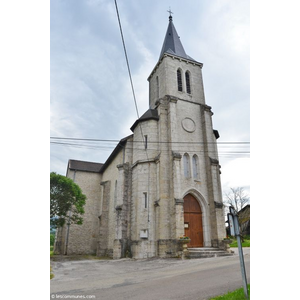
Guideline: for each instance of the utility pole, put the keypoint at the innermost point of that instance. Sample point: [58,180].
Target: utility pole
[235,231]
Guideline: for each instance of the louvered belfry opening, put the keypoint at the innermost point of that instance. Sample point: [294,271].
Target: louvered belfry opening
[179,80]
[187,80]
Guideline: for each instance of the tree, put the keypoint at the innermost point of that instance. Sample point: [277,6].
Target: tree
[237,198]
[66,201]
[52,239]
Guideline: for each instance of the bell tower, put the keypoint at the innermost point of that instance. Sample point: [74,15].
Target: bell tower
[187,164]
[175,73]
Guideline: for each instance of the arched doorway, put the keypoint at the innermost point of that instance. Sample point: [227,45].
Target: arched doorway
[193,221]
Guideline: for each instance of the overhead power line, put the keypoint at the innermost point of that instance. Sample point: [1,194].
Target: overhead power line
[149,141]
[127,62]
[129,72]
[81,139]
[128,147]
[229,149]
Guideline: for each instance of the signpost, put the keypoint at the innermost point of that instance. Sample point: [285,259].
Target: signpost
[231,225]
[235,231]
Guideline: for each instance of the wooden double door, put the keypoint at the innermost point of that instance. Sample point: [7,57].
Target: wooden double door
[193,221]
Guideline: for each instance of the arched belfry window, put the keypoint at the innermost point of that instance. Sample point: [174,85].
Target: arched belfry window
[195,163]
[186,165]
[179,80]
[188,82]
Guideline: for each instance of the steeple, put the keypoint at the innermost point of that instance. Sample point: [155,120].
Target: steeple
[176,73]
[172,44]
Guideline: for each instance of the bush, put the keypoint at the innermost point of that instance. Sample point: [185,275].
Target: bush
[52,239]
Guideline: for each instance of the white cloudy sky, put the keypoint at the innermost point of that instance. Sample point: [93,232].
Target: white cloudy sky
[90,93]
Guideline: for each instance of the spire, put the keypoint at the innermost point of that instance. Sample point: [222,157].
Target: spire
[172,43]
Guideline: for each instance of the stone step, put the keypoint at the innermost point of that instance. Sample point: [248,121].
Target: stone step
[205,249]
[207,252]
[206,255]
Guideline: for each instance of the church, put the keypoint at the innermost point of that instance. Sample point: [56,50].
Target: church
[160,183]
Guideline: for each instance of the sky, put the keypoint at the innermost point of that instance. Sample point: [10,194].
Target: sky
[90,92]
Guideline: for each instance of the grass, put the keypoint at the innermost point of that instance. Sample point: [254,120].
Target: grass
[51,254]
[51,274]
[246,242]
[235,295]
[234,244]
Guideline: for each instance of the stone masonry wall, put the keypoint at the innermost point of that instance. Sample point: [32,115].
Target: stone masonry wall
[166,71]
[83,238]
[110,200]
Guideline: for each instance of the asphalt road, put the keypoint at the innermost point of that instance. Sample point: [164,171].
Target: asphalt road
[148,279]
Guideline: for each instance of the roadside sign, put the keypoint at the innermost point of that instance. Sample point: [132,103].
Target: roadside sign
[234,226]
[231,225]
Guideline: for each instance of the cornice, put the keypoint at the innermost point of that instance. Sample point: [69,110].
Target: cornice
[193,62]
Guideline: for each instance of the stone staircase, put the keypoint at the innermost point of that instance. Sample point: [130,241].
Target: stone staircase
[207,252]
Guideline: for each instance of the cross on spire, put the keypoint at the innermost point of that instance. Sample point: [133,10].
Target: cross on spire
[170,12]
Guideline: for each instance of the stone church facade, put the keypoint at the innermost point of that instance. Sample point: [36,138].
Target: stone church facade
[159,183]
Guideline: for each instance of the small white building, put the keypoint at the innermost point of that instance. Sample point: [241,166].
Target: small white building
[159,183]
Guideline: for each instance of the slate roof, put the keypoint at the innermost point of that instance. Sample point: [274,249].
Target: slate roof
[216,133]
[87,166]
[172,44]
[150,114]
[118,148]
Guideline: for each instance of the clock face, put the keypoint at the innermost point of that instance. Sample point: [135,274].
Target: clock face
[188,125]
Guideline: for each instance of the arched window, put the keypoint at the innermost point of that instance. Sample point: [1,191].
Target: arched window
[186,165]
[157,87]
[195,163]
[188,83]
[179,80]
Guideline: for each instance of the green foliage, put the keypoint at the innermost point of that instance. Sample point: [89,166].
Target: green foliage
[52,239]
[51,274]
[66,201]
[235,295]
[245,243]
[184,237]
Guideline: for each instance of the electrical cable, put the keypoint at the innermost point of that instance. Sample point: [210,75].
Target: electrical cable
[129,72]
[121,31]
[155,142]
